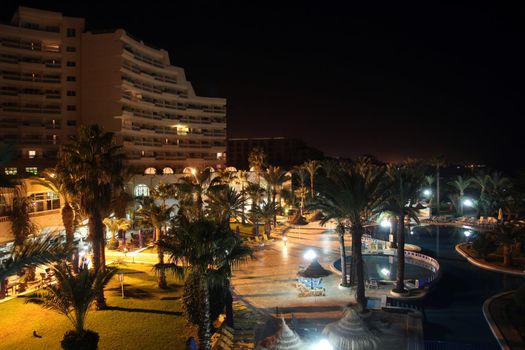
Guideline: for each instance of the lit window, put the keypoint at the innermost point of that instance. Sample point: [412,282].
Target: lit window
[150,171]
[10,171]
[31,153]
[220,155]
[167,170]
[45,201]
[141,190]
[32,170]
[182,129]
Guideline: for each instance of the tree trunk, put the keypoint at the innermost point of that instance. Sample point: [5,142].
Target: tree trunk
[342,252]
[96,232]
[161,281]
[393,228]
[437,191]
[204,327]
[400,277]
[123,233]
[507,255]
[357,233]
[68,218]
[228,300]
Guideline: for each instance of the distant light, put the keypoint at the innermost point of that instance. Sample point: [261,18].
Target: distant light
[82,253]
[411,232]
[323,345]
[310,255]
[285,238]
[385,272]
[427,192]
[385,223]
[467,233]
[468,203]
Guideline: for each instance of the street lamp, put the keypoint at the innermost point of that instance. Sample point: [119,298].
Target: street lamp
[427,192]
[468,202]
[310,255]
[385,223]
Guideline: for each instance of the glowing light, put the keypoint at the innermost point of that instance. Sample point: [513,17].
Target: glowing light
[427,192]
[468,203]
[385,223]
[310,255]
[467,233]
[385,272]
[411,232]
[323,345]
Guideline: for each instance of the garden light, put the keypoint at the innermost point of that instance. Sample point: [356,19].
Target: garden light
[385,223]
[323,345]
[468,203]
[310,255]
[427,192]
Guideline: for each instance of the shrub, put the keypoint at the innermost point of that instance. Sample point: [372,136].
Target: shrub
[74,341]
[483,246]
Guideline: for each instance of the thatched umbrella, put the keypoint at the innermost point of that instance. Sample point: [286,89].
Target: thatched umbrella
[350,333]
[284,339]
[314,270]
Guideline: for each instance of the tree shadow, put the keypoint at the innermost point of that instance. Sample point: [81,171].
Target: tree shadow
[134,293]
[147,311]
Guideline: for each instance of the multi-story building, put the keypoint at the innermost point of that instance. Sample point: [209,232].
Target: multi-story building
[55,77]
[39,86]
[285,152]
[132,89]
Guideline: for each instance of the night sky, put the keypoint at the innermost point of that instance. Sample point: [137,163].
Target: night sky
[418,80]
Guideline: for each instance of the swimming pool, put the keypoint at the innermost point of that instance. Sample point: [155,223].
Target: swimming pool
[384,267]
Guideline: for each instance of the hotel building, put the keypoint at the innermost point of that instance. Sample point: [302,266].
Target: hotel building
[54,77]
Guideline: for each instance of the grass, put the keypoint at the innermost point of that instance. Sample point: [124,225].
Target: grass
[148,318]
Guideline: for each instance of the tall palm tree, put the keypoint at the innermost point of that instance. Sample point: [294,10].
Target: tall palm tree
[429,181]
[438,163]
[266,211]
[328,166]
[72,295]
[157,217]
[195,187]
[311,166]
[91,168]
[240,178]
[275,177]
[482,180]
[257,162]
[302,189]
[21,225]
[461,184]
[404,185]
[210,251]
[255,192]
[353,197]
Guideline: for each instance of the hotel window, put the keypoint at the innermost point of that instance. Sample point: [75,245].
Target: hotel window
[71,64]
[45,201]
[10,171]
[71,78]
[31,153]
[71,49]
[32,170]
[71,32]
[150,171]
[141,190]
[71,93]
[71,123]
[71,108]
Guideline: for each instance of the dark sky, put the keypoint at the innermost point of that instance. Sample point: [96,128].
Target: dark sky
[414,80]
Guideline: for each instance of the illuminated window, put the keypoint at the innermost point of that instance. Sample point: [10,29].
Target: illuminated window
[45,201]
[150,171]
[32,170]
[10,171]
[141,190]
[167,170]
[31,153]
[220,155]
[182,130]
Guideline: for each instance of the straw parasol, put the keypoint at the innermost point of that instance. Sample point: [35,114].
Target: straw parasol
[350,333]
[283,339]
[314,270]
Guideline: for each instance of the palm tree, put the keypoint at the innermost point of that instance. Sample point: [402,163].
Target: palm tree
[275,177]
[255,192]
[353,197]
[210,251]
[438,162]
[158,217]
[115,225]
[21,225]
[329,166]
[72,296]
[429,181]
[91,168]
[257,162]
[241,178]
[311,166]
[223,203]
[266,211]
[483,181]
[302,189]
[508,235]
[195,186]
[404,184]
[461,184]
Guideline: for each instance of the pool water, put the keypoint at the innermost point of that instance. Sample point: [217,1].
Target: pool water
[453,309]
[383,267]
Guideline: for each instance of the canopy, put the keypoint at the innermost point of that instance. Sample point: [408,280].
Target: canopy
[350,333]
[314,270]
[284,339]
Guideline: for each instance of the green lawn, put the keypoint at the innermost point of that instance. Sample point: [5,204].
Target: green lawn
[147,318]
